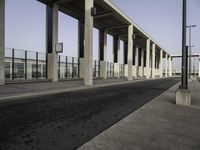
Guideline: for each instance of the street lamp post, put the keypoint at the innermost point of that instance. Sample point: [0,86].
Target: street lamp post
[183,94]
[190,47]
[184,79]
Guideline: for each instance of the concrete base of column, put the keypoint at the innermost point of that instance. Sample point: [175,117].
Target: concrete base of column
[141,72]
[103,69]
[183,97]
[116,70]
[153,73]
[147,74]
[53,67]
[81,60]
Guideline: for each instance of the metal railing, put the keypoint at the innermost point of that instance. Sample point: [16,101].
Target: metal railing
[96,69]
[121,70]
[110,69]
[23,64]
[68,67]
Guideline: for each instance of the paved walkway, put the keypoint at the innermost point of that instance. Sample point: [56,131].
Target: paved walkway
[158,125]
[22,90]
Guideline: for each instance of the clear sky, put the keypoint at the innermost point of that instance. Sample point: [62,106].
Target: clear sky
[162,19]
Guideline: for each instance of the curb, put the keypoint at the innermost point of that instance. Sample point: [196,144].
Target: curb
[53,92]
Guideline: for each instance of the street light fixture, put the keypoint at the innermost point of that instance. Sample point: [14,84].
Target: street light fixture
[190,47]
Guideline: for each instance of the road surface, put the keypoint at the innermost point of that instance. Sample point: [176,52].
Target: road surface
[66,121]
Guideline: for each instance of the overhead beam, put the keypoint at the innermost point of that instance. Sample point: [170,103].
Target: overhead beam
[102,14]
[64,1]
[117,26]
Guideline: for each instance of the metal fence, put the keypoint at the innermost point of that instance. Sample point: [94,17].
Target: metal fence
[68,67]
[121,70]
[96,69]
[22,64]
[110,69]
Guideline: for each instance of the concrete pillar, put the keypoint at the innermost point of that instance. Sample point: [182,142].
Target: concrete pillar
[125,59]
[2,42]
[52,39]
[153,59]
[142,62]
[81,47]
[88,48]
[199,67]
[116,52]
[147,58]
[136,61]
[130,52]
[166,65]
[161,64]
[103,53]
[170,65]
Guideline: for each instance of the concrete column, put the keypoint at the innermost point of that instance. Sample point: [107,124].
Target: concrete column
[130,52]
[161,64]
[153,59]
[170,66]
[103,53]
[116,52]
[142,62]
[166,65]
[88,49]
[147,58]
[2,42]
[199,67]
[81,47]
[126,59]
[136,61]
[52,39]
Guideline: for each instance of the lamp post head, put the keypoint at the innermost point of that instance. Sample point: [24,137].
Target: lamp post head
[191,26]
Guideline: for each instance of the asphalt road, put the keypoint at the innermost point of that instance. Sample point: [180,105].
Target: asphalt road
[66,121]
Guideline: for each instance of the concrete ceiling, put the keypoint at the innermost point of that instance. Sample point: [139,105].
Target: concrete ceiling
[106,18]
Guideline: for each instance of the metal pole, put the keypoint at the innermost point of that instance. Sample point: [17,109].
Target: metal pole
[78,67]
[72,67]
[66,67]
[184,80]
[36,65]
[190,51]
[13,64]
[59,67]
[25,64]
[46,69]
[95,68]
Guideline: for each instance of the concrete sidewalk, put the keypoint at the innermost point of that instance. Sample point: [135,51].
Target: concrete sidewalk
[23,90]
[158,125]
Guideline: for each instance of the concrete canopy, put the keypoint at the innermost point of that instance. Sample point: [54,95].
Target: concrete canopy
[108,17]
